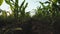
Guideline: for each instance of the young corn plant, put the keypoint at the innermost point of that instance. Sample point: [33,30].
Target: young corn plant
[16,9]
[16,17]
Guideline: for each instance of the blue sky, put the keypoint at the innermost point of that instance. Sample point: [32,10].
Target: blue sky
[32,4]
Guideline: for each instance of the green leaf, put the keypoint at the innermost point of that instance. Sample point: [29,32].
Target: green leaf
[1,1]
[55,1]
[7,1]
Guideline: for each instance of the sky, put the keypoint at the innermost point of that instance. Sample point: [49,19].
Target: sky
[32,4]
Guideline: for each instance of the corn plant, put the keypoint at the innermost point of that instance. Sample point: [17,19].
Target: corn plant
[16,8]
[15,17]
[48,15]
